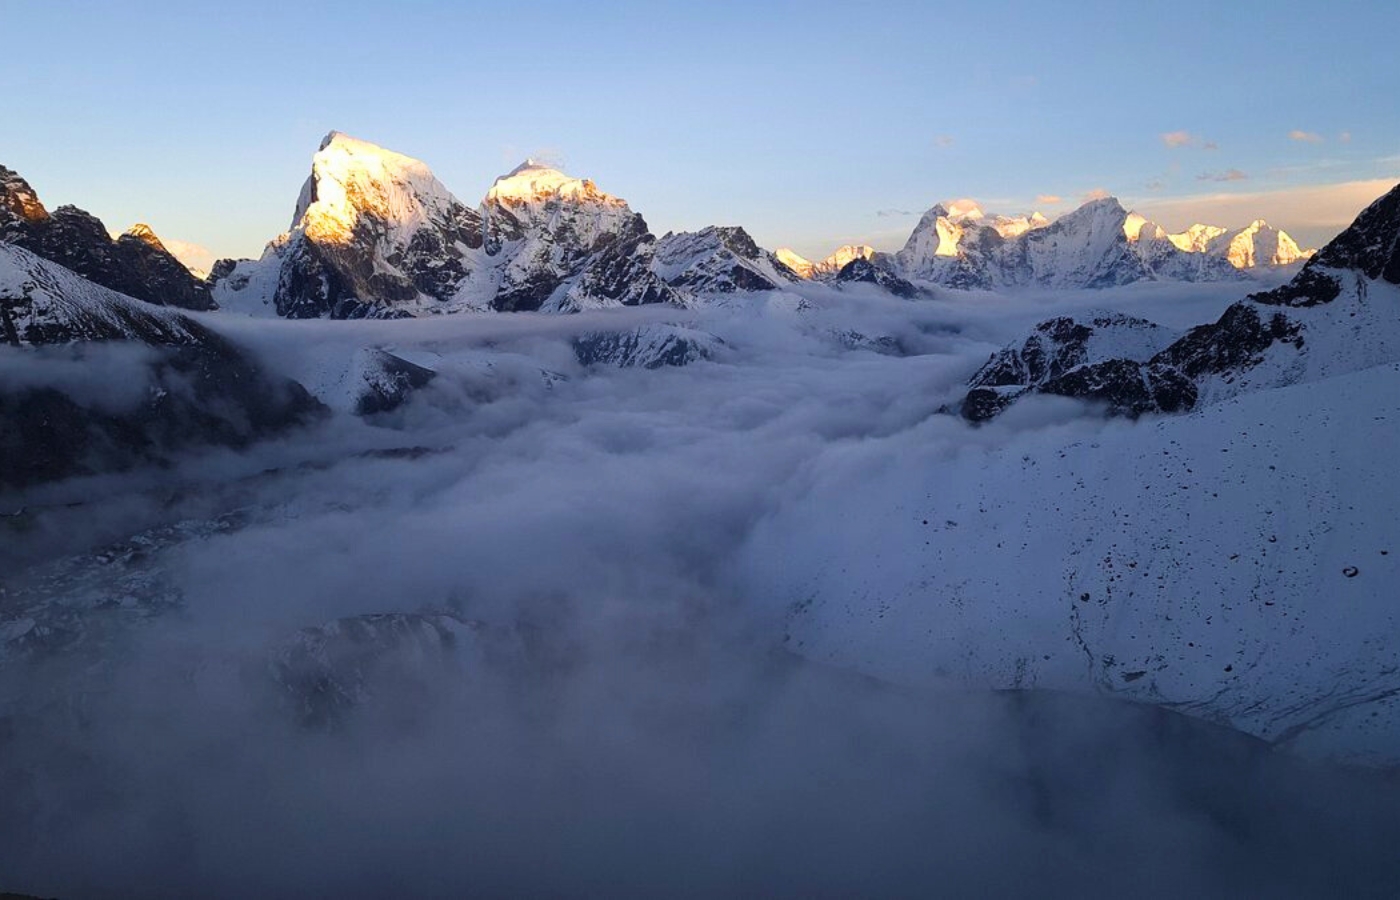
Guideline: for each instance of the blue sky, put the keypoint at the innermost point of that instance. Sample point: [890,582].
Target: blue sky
[812,124]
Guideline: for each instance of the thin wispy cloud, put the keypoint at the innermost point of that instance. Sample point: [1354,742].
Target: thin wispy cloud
[1048,198]
[1307,137]
[1227,175]
[944,141]
[894,213]
[1097,193]
[1344,137]
[1176,139]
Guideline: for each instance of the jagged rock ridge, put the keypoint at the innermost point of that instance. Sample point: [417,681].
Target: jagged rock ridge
[136,263]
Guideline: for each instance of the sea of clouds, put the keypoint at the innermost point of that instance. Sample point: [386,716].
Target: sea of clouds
[630,723]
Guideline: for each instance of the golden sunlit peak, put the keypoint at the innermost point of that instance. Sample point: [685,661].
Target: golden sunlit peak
[144,233]
[535,181]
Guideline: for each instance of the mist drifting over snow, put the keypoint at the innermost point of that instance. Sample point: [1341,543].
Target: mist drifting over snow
[618,715]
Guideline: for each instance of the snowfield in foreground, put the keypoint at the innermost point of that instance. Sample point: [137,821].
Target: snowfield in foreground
[1238,563]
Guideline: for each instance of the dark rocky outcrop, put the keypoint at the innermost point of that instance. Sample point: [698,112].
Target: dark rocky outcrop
[136,264]
[326,672]
[1071,357]
[387,381]
[866,271]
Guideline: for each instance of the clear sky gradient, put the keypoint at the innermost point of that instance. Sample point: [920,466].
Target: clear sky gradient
[812,124]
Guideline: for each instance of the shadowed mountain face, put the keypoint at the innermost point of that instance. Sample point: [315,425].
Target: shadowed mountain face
[136,263]
[93,381]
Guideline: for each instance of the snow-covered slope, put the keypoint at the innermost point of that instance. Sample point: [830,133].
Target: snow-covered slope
[49,304]
[1237,563]
[840,258]
[800,265]
[718,260]
[1196,238]
[648,347]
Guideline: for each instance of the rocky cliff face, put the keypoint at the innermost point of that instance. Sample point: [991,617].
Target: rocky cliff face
[136,263]
[866,271]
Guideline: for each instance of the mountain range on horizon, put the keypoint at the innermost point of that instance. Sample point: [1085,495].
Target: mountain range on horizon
[113,365]
[374,233]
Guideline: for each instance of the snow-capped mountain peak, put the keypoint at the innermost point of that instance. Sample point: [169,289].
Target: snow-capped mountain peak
[18,198]
[1015,226]
[1196,238]
[352,179]
[1257,244]
[373,231]
[843,255]
[535,182]
[795,261]
[145,234]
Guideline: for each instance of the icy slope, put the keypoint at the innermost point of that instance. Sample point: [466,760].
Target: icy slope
[49,304]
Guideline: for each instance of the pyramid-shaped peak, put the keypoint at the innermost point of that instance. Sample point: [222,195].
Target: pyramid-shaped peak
[1102,204]
[351,178]
[18,198]
[145,234]
[1102,209]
